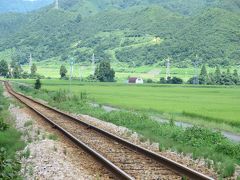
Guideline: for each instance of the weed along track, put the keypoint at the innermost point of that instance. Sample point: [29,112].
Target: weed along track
[124,159]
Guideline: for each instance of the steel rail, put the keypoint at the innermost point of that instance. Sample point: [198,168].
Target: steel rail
[177,167]
[119,173]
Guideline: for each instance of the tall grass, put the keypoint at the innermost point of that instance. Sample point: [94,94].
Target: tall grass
[10,143]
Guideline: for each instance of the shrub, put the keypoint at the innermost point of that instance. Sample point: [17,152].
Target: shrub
[9,168]
[149,81]
[162,80]
[25,88]
[1,107]
[3,125]
[197,137]
[38,84]
[229,149]
[176,80]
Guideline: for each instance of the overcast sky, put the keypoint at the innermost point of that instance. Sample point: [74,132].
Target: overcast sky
[22,5]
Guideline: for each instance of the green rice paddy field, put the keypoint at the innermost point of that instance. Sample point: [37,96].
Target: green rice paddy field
[210,103]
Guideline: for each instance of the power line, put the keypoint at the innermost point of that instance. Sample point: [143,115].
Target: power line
[93,59]
[30,62]
[168,71]
[93,63]
[71,69]
[80,72]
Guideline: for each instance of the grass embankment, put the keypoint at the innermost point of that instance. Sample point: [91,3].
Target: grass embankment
[200,142]
[10,142]
[195,104]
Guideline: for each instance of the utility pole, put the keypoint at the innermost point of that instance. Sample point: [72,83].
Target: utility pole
[30,62]
[71,72]
[80,75]
[56,4]
[134,65]
[93,63]
[81,72]
[121,42]
[168,71]
[71,69]
[10,70]
[93,59]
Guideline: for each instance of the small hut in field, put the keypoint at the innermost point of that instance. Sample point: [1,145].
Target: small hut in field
[135,80]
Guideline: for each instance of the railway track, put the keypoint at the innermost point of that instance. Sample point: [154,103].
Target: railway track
[124,159]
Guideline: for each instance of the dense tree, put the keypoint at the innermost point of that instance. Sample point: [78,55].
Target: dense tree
[218,78]
[25,75]
[13,64]
[78,18]
[16,71]
[226,79]
[21,56]
[3,68]
[149,81]
[203,78]
[228,71]
[191,80]
[211,79]
[104,72]
[218,75]
[37,84]
[235,73]
[91,78]
[236,78]
[169,80]
[63,71]
[174,80]
[162,80]
[33,69]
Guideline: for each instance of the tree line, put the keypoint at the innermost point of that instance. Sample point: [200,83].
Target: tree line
[204,78]
[103,72]
[216,78]
[14,70]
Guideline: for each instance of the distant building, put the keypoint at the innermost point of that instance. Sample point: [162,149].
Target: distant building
[135,80]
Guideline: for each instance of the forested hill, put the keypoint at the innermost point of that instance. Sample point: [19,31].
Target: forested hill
[133,31]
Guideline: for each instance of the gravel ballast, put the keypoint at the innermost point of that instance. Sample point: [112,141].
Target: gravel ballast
[199,165]
[44,158]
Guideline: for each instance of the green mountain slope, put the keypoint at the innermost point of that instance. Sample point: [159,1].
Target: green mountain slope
[185,7]
[213,35]
[43,35]
[10,23]
[136,32]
